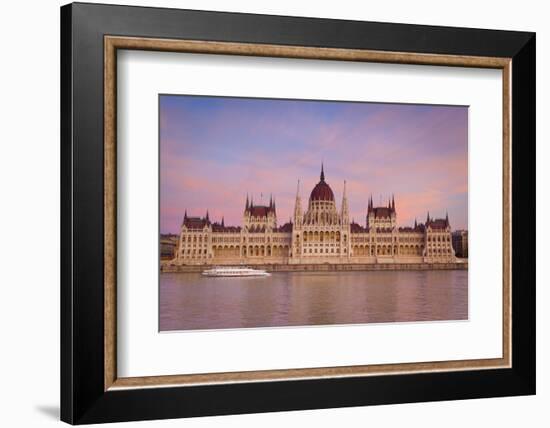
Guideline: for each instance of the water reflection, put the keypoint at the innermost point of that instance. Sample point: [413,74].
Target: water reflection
[190,301]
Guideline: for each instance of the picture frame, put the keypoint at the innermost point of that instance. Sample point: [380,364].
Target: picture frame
[91,391]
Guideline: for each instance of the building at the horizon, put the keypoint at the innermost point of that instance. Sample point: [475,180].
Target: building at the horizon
[168,245]
[320,233]
[460,243]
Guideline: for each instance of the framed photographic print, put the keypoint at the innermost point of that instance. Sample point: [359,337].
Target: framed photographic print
[265,213]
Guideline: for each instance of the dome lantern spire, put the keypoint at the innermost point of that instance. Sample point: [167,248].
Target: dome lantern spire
[322,172]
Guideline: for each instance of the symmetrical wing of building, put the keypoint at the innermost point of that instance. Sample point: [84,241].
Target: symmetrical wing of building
[321,234]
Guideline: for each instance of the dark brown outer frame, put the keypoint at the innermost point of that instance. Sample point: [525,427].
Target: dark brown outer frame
[90,390]
[113,43]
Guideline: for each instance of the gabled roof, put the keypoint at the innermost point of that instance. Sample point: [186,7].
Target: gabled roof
[260,210]
[195,222]
[382,212]
[438,223]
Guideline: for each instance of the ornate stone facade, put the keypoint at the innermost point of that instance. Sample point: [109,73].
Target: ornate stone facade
[323,234]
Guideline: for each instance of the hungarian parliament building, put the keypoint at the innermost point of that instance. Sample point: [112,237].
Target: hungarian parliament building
[323,234]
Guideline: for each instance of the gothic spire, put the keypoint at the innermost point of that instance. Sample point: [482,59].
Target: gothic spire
[207,216]
[184,218]
[247,204]
[345,209]
[415,224]
[298,206]
[223,223]
[392,203]
[322,172]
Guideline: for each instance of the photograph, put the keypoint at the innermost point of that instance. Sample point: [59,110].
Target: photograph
[290,212]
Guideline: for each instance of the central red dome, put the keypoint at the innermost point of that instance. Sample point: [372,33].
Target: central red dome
[322,191]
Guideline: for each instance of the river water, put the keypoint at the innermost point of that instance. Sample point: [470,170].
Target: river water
[189,301]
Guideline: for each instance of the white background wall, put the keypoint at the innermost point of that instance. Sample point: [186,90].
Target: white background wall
[29,213]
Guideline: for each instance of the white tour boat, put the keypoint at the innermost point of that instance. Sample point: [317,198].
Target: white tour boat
[234,271]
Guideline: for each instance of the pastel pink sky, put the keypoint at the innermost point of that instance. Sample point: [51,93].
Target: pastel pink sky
[215,150]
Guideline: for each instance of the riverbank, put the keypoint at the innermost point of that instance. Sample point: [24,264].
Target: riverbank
[462,265]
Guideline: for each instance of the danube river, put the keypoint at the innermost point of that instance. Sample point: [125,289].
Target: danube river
[189,301]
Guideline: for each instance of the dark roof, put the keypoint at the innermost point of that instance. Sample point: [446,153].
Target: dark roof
[438,223]
[287,227]
[382,212]
[260,210]
[216,227]
[195,222]
[389,209]
[357,228]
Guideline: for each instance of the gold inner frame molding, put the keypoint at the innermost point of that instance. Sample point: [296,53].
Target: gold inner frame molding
[113,43]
